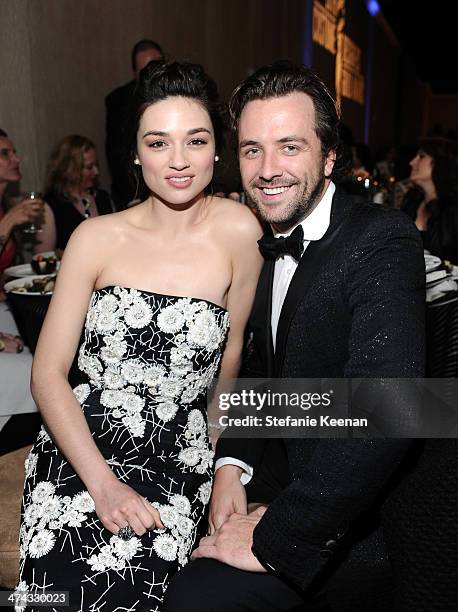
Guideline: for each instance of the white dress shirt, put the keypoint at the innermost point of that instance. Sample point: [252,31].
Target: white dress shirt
[315,226]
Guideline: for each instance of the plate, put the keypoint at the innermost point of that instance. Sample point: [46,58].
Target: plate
[13,285]
[432,262]
[19,271]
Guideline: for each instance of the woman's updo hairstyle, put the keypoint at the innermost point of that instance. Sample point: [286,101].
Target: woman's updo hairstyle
[158,81]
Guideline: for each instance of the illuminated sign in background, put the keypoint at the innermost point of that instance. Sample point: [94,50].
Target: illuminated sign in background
[329,33]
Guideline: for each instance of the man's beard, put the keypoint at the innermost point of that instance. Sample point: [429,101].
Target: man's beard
[296,210]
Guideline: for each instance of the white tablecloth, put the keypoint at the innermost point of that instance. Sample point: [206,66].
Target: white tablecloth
[15,397]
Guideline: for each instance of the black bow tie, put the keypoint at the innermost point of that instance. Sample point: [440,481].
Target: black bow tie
[293,245]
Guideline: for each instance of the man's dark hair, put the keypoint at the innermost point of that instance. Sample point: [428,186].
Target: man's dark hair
[445,165]
[3,134]
[143,45]
[158,81]
[283,78]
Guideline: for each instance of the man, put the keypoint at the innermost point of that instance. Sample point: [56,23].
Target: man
[346,300]
[117,105]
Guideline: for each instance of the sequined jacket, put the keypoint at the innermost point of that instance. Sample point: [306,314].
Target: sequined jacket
[354,308]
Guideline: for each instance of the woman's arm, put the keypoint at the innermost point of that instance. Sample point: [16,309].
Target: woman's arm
[228,494]
[116,503]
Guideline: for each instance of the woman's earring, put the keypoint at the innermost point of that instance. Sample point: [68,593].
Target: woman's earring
[137,162]
[216,158]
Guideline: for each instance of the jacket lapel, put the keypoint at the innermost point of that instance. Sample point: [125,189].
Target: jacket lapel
[302,280]
[261,315]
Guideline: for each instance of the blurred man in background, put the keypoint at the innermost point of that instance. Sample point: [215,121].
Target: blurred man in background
[117,103]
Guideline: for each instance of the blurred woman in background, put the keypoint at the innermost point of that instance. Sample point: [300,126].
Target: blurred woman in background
[72,190]
[13,217]
[433,202]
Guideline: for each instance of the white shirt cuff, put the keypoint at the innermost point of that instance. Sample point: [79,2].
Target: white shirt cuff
[247,474]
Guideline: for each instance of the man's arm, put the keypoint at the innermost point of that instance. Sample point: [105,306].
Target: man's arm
[385,290]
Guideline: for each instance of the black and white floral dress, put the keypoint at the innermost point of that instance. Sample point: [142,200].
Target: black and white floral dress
[145,363]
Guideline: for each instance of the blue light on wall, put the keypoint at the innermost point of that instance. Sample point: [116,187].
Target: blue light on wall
[373,7]
[308,34]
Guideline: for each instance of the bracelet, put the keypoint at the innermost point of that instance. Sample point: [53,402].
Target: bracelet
[2,346]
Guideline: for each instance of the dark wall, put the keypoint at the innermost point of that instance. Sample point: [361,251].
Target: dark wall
[384,98]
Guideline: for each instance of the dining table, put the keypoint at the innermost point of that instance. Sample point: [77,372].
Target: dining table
[15,369]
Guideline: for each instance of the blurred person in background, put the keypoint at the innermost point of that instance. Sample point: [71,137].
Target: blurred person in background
[72,193]
[433,201]
[362,161]
[117,109]
[12,217]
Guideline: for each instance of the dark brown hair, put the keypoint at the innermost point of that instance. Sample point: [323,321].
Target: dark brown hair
[158,81]
[445,165]
[283,78]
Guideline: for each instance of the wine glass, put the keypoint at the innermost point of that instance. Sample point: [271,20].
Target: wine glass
[31,228]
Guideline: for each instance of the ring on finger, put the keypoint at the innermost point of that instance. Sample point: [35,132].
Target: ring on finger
[126,533]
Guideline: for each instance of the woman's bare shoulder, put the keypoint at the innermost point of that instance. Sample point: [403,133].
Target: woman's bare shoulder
[235,219]
[100,232]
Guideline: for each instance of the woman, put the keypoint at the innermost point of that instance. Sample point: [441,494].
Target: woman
[71,190]
[127,454]
[10,219]
[24,212]
[433,203]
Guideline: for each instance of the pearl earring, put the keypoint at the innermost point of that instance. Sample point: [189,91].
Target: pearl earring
[137,161]
[216,158]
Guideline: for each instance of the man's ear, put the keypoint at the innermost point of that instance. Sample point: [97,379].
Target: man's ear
[329,163]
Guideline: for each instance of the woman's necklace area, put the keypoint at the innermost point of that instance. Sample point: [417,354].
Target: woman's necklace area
[84,204]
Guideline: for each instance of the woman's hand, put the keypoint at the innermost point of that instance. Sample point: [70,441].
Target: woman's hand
[228,496]
[10,343]
[24,212]
[118,505]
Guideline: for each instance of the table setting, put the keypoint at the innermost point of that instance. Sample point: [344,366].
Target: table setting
[441,317]
[441,280]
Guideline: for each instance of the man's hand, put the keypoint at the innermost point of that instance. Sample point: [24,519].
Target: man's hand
[231,543]
[228,496]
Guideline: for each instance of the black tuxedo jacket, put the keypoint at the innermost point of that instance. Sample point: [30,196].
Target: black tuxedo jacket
[354,308]
[118,104]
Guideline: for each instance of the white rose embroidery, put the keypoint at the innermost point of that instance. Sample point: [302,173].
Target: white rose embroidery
[30,464]
[205,492]
[154,375]
[138,315]
[189,456]
[42,491]
[181,503]
[169,516]
[132,371]
[83,502]
[165,547]
[112,398]
[41,543]
[82,392]
[113,379]
[166,411]
[170,320]
[170,387]
[51,508]
[114,349]
[133,403]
